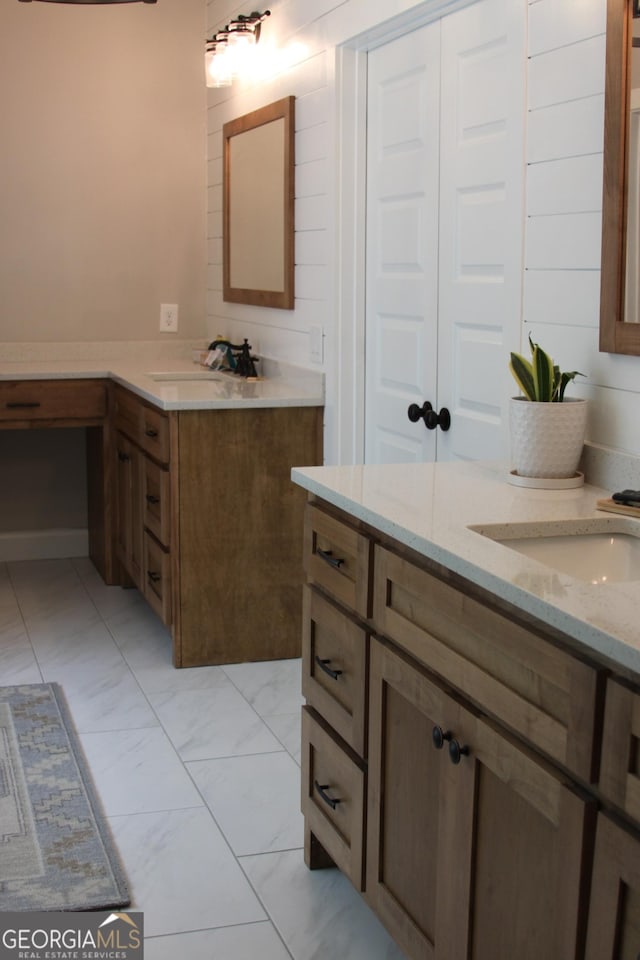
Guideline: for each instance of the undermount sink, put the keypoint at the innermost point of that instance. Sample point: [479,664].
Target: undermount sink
[182,375]
[598,550]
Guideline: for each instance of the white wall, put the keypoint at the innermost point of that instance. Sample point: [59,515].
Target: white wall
[102,170]
[564,185]
[564,204]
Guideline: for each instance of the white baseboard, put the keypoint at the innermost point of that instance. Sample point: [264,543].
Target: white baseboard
[43,544]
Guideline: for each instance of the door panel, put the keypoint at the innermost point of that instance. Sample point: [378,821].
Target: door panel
[445,181]
[402,241]
[481,199]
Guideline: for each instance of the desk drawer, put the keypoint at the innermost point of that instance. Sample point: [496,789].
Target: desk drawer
[52,400]
[333,797]
[338,558]
[530,685]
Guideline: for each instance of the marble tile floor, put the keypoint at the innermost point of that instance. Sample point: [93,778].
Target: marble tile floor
[198,772]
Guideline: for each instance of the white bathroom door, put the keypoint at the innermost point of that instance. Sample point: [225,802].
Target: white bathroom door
[445,182]
[402,244]
[482,167]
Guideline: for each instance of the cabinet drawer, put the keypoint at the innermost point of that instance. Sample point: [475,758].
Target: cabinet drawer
[157,578]
[334,667]
[337,557]
[127,412]
[536,689]
[52,400]
[620,765]
[145,425]
[333,797]
[156,501]
[154,436]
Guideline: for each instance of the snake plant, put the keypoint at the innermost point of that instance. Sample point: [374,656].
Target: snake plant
[539,378]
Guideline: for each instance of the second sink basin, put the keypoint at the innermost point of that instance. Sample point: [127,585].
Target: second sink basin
[598,550]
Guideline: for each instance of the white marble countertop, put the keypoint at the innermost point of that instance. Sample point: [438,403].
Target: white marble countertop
[283,384]
[430,507]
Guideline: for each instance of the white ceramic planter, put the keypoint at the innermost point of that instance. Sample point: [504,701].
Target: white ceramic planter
[547,438]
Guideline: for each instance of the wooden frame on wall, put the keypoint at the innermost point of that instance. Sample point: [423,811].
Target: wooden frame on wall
[616,335]
[258,206]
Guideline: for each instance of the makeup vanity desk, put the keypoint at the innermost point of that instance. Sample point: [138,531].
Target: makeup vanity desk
[189,497]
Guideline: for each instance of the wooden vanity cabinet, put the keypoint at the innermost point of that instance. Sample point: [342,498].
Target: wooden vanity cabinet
[206,500]
[480,749]
[475,846]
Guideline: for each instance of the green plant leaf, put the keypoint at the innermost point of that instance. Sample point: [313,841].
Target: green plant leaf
[522,373]
[566,378]
[542,374]
[540,380]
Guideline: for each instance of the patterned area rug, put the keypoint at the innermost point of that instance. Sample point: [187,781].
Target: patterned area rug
[56,852]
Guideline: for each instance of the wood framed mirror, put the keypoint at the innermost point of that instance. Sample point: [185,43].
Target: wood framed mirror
[620,270]
[258,207]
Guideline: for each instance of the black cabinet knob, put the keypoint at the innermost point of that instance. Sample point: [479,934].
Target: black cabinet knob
[438,735]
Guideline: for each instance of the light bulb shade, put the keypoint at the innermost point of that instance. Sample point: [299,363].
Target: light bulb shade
[217,67]
[241,37]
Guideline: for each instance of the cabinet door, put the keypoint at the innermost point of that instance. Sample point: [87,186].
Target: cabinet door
[456,812]
[614,917]
[129,507]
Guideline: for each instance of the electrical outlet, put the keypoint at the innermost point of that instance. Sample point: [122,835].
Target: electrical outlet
[168,318]
[316,353]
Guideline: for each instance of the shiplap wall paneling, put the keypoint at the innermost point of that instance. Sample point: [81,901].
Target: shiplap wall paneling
[558,23]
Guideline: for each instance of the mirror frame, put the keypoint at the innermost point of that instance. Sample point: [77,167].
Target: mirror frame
[616,335]
[252,294]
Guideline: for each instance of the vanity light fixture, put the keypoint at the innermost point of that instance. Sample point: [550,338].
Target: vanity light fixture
[229,50]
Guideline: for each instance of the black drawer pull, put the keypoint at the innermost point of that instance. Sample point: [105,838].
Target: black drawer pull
[23,404]
[321,788]
[324,665]
[153,576]
[328,557]
[123,457]
[438,735]
[150,432]
[151,499]
[456,751]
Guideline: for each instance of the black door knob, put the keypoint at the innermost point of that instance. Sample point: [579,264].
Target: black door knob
[456,751]
[416,413]
[442,419]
